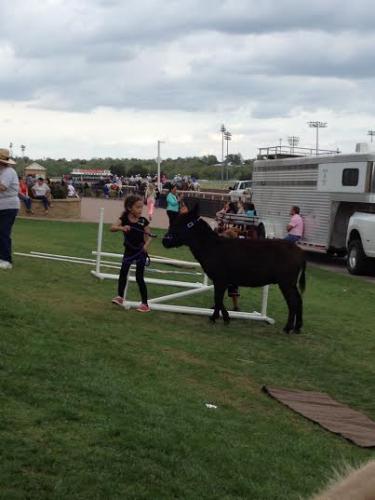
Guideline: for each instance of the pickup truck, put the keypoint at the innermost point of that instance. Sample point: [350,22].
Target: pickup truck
[240,190]
[360,242]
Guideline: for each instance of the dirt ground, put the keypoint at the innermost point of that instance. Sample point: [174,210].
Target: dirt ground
[113,209]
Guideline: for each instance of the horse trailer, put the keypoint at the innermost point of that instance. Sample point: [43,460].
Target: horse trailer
[332,191]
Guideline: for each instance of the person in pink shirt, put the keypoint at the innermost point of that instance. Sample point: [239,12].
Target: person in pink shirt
[295,226]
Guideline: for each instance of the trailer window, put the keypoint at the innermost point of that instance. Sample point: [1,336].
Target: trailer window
[350,176]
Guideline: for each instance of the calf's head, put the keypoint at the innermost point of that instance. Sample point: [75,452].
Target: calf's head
[182,230]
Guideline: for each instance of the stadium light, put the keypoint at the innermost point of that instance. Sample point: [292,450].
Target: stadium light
[317,125]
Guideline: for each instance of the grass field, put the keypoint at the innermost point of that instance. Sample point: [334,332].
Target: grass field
[102,403]
[216,184]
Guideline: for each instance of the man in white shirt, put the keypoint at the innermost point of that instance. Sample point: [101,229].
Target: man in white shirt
[41,191]
[9,205]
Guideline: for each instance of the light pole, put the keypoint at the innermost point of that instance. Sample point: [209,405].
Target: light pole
[293,142]
[222,130]
[371,133]
[11,149]
[23,147]
[227,137]
[158,161]
[317,126]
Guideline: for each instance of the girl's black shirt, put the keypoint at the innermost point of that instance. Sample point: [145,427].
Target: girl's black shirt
[135,238]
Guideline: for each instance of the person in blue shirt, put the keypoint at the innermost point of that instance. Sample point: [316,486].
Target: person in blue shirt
[173,204]
[250,210]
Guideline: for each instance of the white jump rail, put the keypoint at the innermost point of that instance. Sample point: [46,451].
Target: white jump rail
[157,303]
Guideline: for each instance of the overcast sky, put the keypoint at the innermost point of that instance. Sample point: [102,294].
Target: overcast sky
[98,78]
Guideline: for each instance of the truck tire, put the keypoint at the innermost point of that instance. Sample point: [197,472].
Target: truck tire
[261,232]
[356,261]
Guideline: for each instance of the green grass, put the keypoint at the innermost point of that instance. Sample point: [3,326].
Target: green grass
[101,403]
[216,184]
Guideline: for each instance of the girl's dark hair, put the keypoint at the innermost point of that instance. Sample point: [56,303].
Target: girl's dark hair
[129,201]
[232,207]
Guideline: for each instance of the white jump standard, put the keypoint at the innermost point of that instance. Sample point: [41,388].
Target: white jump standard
[157,303]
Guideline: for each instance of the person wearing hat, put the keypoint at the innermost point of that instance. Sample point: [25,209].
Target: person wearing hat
[9,206]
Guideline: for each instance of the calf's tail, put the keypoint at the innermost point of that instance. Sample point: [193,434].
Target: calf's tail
[302,277]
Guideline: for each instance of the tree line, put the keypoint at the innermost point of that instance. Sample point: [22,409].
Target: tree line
[204,167]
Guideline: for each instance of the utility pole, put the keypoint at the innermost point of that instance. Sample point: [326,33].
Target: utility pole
[222,130]
[371,133]
[227,137]
[317,125]
[158,161]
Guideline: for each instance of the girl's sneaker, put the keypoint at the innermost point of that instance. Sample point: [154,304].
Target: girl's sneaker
[4,264]
[143,308]
[118,300]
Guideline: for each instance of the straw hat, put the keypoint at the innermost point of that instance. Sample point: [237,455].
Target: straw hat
[5,157]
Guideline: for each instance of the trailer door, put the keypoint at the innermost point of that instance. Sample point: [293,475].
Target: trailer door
[342,177]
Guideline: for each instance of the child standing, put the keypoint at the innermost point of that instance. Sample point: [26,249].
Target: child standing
[136,241]
[150,200]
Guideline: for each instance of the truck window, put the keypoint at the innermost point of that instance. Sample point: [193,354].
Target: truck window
[350,176]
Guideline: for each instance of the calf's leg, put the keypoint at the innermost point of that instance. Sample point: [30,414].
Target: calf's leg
[289,297]
[219,304]
[299,312]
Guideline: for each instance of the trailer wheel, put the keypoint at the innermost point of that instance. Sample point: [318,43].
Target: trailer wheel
[356,261]
[261,232]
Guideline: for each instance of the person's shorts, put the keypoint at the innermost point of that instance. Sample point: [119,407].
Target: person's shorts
[233,291]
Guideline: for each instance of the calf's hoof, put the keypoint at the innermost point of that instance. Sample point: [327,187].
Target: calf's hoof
[297,331]
[286,329]
[212,319]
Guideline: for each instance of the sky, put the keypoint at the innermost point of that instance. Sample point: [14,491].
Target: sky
[109,78]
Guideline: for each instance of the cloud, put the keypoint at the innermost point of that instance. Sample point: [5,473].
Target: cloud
[244,59]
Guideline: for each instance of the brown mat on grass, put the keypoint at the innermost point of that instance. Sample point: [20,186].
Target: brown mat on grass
[328,413]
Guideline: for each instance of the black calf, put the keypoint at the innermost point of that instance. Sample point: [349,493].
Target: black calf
[248,263]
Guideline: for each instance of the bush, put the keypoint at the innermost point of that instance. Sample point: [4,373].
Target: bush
[58,191]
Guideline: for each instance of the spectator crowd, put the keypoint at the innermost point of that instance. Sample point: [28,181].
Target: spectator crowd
[32,188]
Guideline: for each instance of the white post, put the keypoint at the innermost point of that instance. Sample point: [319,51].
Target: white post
[264,300]
[158,160]
[222,153]
[100,239]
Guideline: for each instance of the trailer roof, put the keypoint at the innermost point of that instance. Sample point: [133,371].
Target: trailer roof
[308,160]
